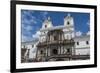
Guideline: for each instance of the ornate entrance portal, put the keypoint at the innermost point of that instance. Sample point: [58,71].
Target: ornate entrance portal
[56,47]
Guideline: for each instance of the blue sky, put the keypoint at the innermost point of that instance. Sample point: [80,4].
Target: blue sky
[31,22]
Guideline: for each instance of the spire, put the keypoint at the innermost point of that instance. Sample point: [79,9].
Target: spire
[69,15]
[47,22]
[68,20]
[48,18]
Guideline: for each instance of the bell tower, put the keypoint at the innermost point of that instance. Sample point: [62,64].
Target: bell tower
[47,23]
[69,24]
[68,20]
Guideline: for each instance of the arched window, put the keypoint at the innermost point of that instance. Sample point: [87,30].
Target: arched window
[55,38]
[32,45]
[77,43]
[55,51]
[87,42]
[68,23]
[41,52]
[45,26]
[68,50]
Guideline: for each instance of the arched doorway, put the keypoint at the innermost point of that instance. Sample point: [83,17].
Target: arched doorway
[59,59]
[54,51]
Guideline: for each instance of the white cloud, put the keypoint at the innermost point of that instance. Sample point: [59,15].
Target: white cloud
[88,33]
[28,13]
[33,20]
[30,21]
[88,23]
[36,35]
[29,24]
[34,38]
[26,38]
[28,18]
[44,14]
[28,28]
[79,33]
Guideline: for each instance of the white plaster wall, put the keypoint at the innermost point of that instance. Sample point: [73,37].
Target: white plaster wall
[69,35]
[85,51]
[82,44]
[32,53]
[29,46]
[82,48]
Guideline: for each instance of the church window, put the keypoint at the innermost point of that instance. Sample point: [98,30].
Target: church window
[45,26]
[77,43]
[32,45]
[55,38]
[87,42]
[55,51]
[41,52]
[67,23]
[68,50]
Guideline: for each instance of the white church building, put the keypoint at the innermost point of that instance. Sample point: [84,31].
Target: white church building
[58,43]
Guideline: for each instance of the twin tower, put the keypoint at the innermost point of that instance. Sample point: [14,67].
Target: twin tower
[67,27]
[56,42]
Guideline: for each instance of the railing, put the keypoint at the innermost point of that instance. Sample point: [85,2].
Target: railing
[73,57]
[81,57]
[61,42]
[59,56]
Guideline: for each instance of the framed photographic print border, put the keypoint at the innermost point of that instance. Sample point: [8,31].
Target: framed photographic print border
[13,35]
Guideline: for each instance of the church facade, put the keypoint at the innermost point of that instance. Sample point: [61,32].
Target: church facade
[59,43]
